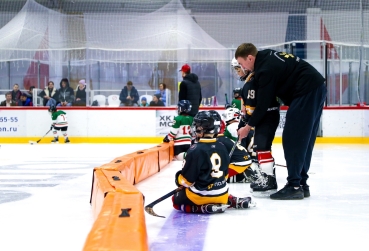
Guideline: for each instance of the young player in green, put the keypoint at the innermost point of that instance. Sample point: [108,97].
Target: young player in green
[59,123]
[237,99]
[180,132]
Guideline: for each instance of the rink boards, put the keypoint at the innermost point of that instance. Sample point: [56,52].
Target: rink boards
[117,205]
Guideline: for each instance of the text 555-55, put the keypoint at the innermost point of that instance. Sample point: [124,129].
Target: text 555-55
[8,119]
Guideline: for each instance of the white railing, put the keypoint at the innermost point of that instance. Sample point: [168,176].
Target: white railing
[38,101]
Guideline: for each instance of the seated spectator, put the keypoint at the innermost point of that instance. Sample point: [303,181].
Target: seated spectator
[8,100]
[129,95]
[25,100]
[162,91]
[49,95]
[16,93]
[144,102]
[66,93]
[30,91]
[81,94]
[156,100]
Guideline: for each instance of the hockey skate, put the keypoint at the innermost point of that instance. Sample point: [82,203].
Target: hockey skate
[55,140]
[265,185]
[67,141]
[240,203]
[256,174]
[252,173]
[288,193]
[213,208]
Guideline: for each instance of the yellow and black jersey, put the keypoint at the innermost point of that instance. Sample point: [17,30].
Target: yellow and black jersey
[249,97]
[240,155]
[205,172]
[240,159]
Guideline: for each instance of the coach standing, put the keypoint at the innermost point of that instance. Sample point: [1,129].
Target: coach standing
[301,87]
[190,89]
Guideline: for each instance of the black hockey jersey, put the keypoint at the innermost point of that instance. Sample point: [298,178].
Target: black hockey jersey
[240,155]
[249,94]
[283,75]
[205,172]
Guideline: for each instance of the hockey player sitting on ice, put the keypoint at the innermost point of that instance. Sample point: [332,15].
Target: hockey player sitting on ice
[263,135]
[59,123]
[180,132]
[204,173]
[240,169]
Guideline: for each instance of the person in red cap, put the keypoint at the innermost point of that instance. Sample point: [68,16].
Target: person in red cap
[190,89]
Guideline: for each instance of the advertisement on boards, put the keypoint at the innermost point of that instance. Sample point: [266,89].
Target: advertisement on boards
[12,123]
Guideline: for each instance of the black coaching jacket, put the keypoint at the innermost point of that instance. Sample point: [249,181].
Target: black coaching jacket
[190,89]
[282,75]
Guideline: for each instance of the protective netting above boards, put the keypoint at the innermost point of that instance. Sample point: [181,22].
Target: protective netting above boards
[171,31]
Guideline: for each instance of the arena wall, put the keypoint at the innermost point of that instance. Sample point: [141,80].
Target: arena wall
[150,125]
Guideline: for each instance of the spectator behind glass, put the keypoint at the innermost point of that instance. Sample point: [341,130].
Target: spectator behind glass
[66,93]
[81,94]
[16,93]
[129,95]
[25,100]
[162,91]
[144,102]
[30,91]
[8,100]
[156,100]
[190,89]
[49,95]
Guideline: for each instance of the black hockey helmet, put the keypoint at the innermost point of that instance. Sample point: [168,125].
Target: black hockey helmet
[206,121]
[52,108]
[184,106]
[237,90]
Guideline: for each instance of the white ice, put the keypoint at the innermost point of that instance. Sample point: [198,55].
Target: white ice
[45,191]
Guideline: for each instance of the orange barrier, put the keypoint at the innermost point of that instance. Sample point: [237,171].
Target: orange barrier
[100,187]
[125,165]
[120,224]
[115,180]
[165,157]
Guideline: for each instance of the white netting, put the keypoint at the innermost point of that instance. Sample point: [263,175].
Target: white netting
[166,35]
[110,42]
[172,33]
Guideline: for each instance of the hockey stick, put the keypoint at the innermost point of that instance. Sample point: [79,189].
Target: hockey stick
[150,208]
[226,98]
[36,142]
[233,147]
[280,165]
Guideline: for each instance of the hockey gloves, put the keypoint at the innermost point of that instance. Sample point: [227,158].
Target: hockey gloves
[166,139]
[52,127]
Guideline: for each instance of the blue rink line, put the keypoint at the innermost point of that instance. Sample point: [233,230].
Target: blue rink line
[182,231]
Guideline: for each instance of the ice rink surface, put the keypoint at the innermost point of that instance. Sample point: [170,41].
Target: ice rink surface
[45,191]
